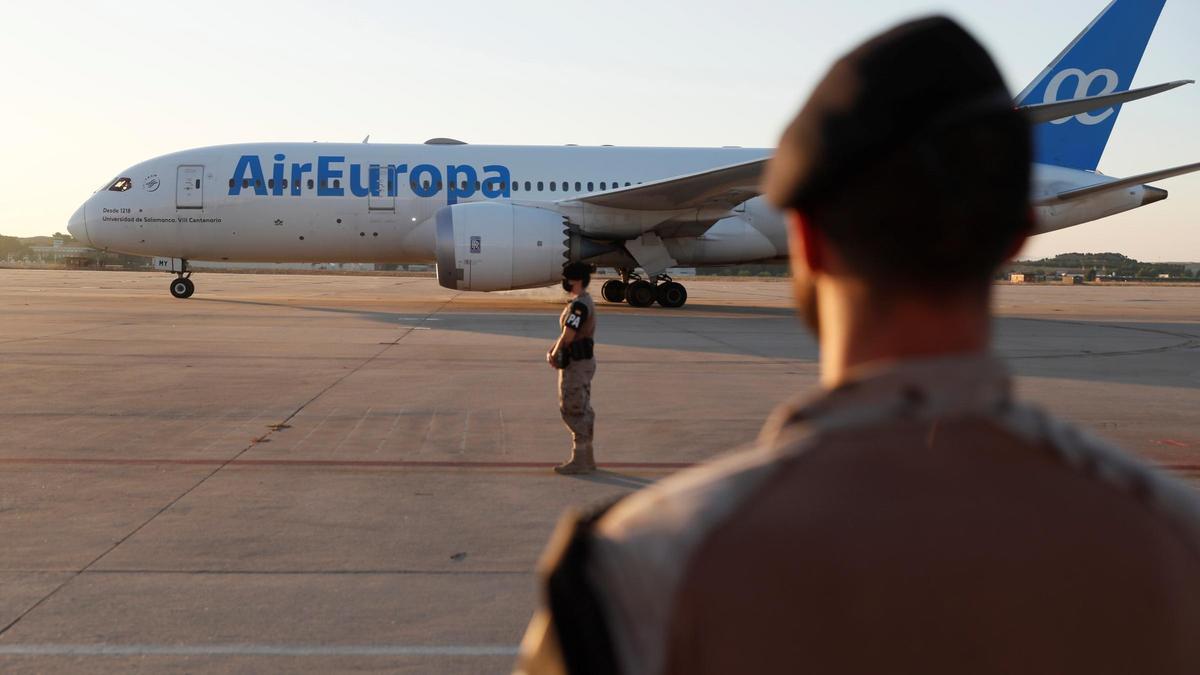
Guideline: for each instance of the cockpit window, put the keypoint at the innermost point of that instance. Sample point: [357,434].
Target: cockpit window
[120,185]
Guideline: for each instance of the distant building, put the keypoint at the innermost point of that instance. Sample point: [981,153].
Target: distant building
[59,251]
[1016,278]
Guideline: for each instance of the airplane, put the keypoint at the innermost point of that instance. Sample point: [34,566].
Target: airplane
[497,218]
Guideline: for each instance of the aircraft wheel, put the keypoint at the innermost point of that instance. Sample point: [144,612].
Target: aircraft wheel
[613,290]
[640,294]
[182,288]
[671,294]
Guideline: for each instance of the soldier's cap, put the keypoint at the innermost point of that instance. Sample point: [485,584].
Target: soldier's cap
[898,87]
[577,270]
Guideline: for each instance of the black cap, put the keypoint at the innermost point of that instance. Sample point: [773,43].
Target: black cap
[577,270]
[904,84]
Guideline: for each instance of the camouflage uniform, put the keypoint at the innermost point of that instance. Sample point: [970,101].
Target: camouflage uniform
[575,381]
[913,520]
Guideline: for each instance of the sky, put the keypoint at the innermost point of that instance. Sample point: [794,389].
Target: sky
[91,88]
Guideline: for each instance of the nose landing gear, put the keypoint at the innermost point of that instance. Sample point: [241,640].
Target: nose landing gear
[638,292]
[182,286]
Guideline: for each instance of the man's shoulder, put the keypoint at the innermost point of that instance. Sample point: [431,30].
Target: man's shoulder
[666,521]
[1093,458]
[670,519]
[640,549]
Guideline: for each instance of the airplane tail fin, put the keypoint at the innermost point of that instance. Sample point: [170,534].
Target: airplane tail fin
[1102,60]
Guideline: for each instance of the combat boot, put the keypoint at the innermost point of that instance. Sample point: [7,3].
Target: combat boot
[582,462]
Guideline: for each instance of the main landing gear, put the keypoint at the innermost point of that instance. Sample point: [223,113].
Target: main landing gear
[182,286]
[638,292]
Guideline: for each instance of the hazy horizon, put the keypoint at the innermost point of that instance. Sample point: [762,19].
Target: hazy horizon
[94,88]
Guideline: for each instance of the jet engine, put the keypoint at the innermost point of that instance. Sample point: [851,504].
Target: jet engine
[496,246]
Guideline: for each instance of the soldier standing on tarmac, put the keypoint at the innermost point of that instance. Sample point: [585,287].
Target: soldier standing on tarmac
[912,515]
[572,354]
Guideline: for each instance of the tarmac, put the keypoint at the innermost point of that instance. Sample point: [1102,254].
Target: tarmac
[336,473]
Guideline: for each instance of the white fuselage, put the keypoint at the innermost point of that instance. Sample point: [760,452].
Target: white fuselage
[310,202]
[163,213]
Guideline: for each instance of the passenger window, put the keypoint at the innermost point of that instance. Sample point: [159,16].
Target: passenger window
[578,187]
[591,186]
[310,183]
[541,186]
[527,186]
[284,184]
[476,185]
[439,185]
[503,186]
[197,183]
[324,183]
[271,183]
[230,182]
[603,185]
[257,184]
[337,183]
[245,183]
[121,185]
[424,185]
[626,183]
[516,186]
[552,186]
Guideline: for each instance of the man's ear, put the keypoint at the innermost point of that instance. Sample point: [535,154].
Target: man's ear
[806,243]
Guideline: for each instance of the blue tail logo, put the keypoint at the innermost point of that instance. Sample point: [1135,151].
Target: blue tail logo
[1083,87]
[1102,60]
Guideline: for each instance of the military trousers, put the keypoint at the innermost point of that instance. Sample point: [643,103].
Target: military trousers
[575,400]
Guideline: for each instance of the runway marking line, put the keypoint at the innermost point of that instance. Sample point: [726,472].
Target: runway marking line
[336,463]
[254,650]
[389,464]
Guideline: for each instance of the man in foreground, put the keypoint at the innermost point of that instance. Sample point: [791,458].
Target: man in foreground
[911,517]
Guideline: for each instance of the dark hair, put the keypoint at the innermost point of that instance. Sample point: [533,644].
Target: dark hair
[938,212]
[578,270]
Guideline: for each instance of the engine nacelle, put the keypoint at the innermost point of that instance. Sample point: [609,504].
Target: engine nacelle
[496,246]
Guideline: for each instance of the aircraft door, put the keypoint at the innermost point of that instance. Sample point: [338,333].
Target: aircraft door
[383,188]
[189,188]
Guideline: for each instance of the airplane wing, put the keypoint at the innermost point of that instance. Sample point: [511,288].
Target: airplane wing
[1119,184]
[1048,112]
[722,187]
